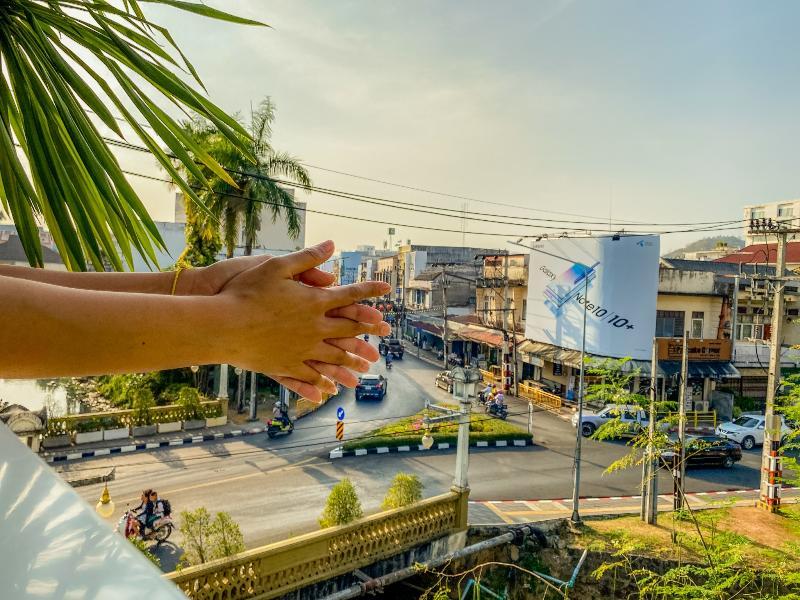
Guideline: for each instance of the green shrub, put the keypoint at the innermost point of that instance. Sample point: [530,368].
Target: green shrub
[206,539]
[110,423]
[189,399]
[143,402]
[342,506]
[737,412]
[87,425]
[405,489]
[211,411]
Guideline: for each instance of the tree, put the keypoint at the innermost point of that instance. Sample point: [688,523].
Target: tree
[615,379]
[405,489]
[237,205]
[342,506]
[206,539]
[55,54]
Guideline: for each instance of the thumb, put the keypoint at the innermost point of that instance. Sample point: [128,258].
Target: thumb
[299,262]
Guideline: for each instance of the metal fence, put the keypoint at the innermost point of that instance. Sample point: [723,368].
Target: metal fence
[539,397]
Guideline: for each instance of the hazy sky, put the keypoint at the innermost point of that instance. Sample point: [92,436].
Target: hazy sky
[651,111]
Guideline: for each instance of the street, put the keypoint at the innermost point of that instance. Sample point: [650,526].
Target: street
[277,488]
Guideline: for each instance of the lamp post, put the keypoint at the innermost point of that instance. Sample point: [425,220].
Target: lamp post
[239,390]
[194,369]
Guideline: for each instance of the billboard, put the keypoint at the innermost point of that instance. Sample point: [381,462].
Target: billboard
[620,302]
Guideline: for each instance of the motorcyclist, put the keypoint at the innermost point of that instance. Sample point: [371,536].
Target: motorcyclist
[143,512]
[487,392]
[155,512]
[388,359]
[280,413]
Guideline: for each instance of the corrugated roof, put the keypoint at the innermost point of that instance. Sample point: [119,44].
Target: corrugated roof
[762,253]
[716,267]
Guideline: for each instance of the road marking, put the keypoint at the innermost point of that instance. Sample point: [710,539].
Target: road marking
[499,513]
[304,463]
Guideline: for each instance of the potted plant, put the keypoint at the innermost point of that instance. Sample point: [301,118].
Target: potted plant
[168,421]
[88,431]
[189,400]
[56,434]
[114,429]
[214,416]
[143,402]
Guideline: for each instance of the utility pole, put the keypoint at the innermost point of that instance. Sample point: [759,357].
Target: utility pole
[507,338]
[253,389]
[770,489]
[680,467]
[650,466]
[576,483]
[444,314]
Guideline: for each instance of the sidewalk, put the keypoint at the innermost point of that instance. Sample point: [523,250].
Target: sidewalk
[153,442]
[494,512]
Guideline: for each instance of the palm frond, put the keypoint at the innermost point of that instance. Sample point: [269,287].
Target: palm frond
[69,180]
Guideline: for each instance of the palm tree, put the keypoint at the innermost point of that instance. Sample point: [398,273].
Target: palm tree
[258,185]
[59,60]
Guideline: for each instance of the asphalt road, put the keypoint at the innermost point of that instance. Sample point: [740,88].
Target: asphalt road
[276,488]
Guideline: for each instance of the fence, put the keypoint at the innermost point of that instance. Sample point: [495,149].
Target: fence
[695,418]
[539,396]
[125,418]
[277,569]
[489,377]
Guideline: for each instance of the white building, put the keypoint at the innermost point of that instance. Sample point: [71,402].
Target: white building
[783,210]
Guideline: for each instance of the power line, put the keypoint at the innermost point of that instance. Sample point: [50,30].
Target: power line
[436,210]
[415,226]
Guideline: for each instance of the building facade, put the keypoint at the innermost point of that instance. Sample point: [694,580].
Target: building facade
[777,211]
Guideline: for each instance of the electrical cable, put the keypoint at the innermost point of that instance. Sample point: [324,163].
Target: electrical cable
[415,207]
[406,225]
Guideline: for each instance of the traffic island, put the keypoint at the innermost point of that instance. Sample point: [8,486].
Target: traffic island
[405,435]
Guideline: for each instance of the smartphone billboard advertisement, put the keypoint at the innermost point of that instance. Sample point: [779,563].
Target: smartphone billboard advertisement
[615,281]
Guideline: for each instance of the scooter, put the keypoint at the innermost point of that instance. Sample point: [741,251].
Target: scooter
[129,526]
[277,427]
[388,365]
[501,412]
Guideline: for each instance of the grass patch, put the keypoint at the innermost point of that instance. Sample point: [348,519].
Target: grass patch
[402,432]
[764,538]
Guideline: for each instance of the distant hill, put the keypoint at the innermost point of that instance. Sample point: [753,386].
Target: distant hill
[708,243]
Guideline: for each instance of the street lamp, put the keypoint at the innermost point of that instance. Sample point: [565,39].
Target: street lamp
[194,369]
[105,507]
[427,440]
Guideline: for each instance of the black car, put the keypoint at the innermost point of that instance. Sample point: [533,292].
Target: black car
[371,387]
[708,450]
[392,345]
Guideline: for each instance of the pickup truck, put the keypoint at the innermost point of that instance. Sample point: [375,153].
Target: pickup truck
[392,345]
[634,416]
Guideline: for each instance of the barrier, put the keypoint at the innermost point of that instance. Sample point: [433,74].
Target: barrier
[538,396]
[277,569]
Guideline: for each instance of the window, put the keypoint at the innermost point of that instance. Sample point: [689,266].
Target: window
[793,312]
[697,325]
[757,213]
[486,305]
[669,323]
[745,331]
[742,310]
[785,210]
[524,308]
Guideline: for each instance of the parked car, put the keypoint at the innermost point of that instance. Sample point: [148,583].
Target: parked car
[635,417]
[392,345]
[444,380]
[371,386]
[748,430]
[707,450]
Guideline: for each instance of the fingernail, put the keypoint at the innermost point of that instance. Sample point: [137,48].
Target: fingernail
[326,245]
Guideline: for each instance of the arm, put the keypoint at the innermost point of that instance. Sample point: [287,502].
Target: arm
[200,281]
[262,320]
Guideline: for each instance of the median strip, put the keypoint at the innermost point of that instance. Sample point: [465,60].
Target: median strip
[340,452]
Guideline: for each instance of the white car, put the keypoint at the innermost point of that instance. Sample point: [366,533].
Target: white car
[748,430]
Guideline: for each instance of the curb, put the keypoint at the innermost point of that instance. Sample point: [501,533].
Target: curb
[729,491]
[510,443]
[92,480]
[197,439]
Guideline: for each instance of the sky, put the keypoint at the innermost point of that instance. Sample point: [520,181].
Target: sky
[677,112]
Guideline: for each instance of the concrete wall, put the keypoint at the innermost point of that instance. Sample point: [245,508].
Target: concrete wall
[710,306]
[686,282]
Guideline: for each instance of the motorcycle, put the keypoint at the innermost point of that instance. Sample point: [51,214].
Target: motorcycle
[389,365]
[129,526]
[501,412]
[276,427]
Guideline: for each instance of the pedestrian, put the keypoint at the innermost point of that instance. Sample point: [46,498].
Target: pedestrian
[289,324]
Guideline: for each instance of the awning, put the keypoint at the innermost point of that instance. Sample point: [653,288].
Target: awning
[429,327]
[571,358]
[700,369]
[490,338]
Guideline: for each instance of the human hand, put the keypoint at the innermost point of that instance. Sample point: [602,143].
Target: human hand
[303,336]
[208,281]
